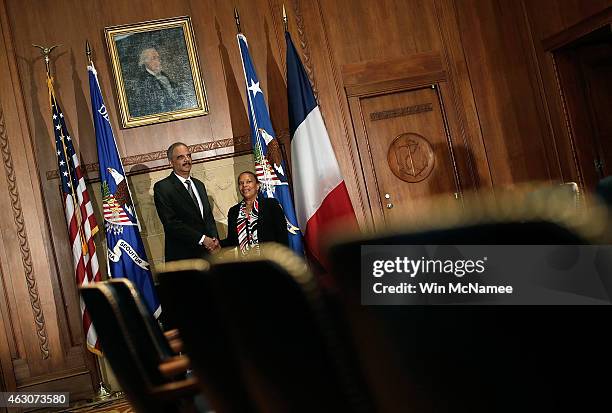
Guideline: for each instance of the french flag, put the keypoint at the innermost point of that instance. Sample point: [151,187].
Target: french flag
[322,202]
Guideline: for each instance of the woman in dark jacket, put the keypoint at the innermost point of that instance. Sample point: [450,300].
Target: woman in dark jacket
[255,219]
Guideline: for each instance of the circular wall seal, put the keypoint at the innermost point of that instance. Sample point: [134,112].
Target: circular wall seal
[410,157]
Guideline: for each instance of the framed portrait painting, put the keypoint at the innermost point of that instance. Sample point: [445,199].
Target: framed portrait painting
[156,70]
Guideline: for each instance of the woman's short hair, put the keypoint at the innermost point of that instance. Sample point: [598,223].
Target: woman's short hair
[250,173]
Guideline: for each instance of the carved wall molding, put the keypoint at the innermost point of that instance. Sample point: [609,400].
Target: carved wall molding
[306,60]
[237,141]
[346,123]
[24,247]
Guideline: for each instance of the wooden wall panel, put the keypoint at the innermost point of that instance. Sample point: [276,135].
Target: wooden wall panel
[32,311]
[506,92]
[547,18]
[342,33]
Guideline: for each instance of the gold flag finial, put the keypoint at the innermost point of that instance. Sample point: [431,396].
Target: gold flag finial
[45,52]
[88,52]
[285,23]
[237,18]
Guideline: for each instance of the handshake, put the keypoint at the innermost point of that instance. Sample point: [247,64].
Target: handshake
[212,244]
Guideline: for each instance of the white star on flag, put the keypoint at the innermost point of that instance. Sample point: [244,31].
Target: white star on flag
[254,88]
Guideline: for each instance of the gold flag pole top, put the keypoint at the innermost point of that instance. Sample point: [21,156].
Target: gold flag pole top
[237,18]
[45,52]
[285,23]
[88,52]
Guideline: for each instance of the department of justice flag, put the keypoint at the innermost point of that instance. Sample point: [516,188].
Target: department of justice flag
[126,254]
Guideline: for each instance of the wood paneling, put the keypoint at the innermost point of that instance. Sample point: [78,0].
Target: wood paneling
[505,91]
[547,19]
[37,346]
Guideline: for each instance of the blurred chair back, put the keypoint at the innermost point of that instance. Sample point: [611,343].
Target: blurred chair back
[192,306]
[292,356]
[566,194]
[604,190]
[145,329]
[467,358]
[127,345]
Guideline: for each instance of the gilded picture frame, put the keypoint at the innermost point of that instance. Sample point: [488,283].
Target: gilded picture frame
[156,69]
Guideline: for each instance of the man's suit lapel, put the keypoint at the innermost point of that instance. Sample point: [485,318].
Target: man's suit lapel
[182,190]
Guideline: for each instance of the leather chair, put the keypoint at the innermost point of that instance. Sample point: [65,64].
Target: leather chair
[131,345]
[191,305]
[293,354]
[261,337]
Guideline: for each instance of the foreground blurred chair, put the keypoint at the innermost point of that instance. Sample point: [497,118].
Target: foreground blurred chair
[260,338]
[293,357]
[604,190]
[135,356]
[137,316]
[477,358]
[192,306]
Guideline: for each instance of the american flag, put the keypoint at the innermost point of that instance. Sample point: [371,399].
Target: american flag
[82,225]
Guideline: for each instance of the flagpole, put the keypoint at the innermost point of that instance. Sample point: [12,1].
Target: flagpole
[104,391]
[285,22]
[237,19]
[45,52]
[88,52]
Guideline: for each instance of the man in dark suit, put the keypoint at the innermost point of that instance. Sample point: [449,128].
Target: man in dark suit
[182,205]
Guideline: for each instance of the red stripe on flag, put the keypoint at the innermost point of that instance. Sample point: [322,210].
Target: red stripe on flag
[335,210]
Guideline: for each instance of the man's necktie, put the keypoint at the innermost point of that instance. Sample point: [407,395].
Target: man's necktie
[191,194]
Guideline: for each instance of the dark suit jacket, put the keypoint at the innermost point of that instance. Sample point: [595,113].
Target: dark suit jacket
[271,224]
[183,224]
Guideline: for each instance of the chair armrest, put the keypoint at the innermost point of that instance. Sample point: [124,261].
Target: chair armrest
[176,344]
[174,366]
[176,389]
[172,334]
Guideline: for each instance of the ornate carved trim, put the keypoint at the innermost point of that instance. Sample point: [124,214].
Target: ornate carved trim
[237,141]
[306,60]
[156,156]
[26,257]
[349,131]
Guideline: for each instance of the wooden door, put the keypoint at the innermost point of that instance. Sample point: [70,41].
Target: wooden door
[405,149]
[596,64]
[584,69]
